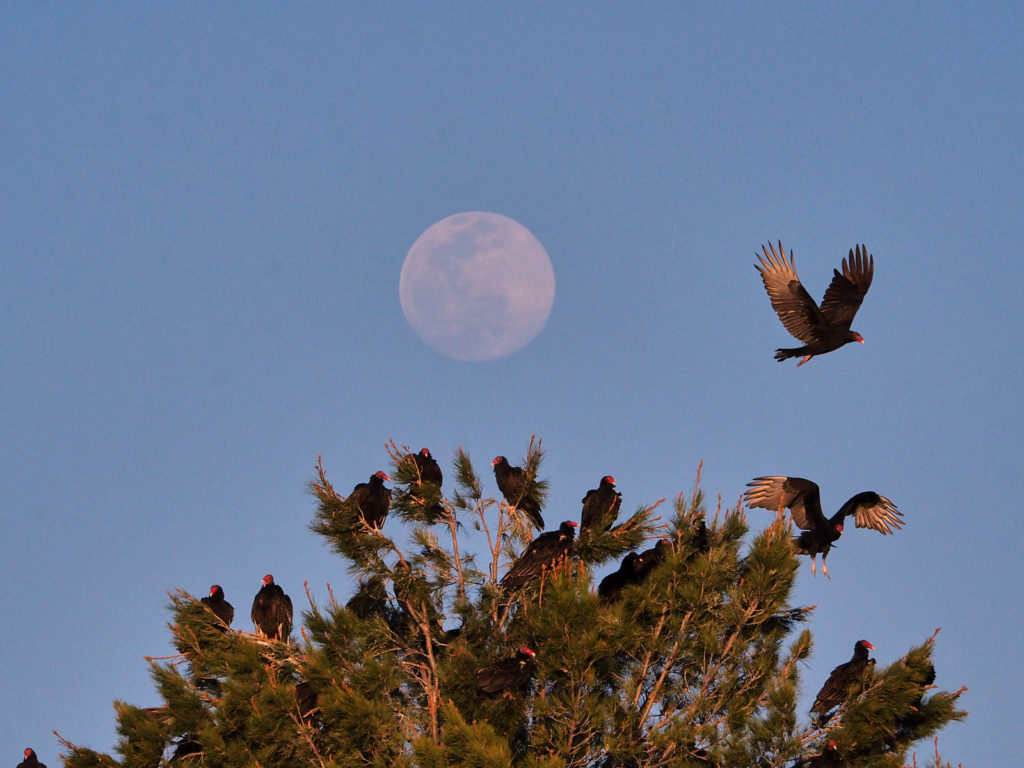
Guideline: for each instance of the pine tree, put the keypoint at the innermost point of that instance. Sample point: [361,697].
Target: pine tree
[695,662]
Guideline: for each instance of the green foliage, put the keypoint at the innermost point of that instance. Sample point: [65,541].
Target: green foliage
[697,665]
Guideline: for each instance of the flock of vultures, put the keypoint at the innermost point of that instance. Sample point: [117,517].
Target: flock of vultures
[821,328]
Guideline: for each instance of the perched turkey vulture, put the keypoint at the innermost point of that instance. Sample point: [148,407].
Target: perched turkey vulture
[611,586]
[823,328]
[372,499]
[430,471]
[507,674]
[306,701]
[651,558]
[837,688]
[870,510]
[272,611]
[30,761]
[221,608]
[425,485]
[184,747]
[829,758]
[371,599]
[512,484]
[543,552]
[601,506]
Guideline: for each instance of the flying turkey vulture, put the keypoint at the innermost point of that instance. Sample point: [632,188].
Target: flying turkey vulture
[221,608]
[543,552]
[823,328]
[601,506]
[837,688]
[870,510]
[430,471]
[372,499]
[611,586]
[30,761]
[272,611]
[507,674]
[512,484]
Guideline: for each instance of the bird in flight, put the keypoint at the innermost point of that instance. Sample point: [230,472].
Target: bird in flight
[821,328]
[803,499]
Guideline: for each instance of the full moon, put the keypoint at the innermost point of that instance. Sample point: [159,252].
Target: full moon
[477,286]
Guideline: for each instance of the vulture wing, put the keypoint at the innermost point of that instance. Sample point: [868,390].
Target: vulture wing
[790,300]
[845,294]
[871,510]
[802,497]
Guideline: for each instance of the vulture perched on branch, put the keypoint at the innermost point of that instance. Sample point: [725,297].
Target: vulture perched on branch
[507,674]
[837,688]
[601,506]
[30,761]
[513,486]
[611,586]
[544,552]
[272,611]
[372,499]
[221,608]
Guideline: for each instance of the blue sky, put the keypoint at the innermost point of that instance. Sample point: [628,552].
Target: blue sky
[203,215]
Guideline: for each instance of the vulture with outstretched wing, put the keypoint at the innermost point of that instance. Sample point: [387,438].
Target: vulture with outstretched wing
[821,328]
[802,497]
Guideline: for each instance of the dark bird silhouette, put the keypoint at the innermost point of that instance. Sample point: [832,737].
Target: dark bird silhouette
[802,497]
[30,761]
[372,499]
[272,611]
[512,484]
[829,758]
[425,486]
[821,329]
[509,674]
[221,608]
[601,506]
[371,599]
[543,552]
[430,471]
[306,700]
[837,688]
[611,586]
[651,559]
[184,747]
